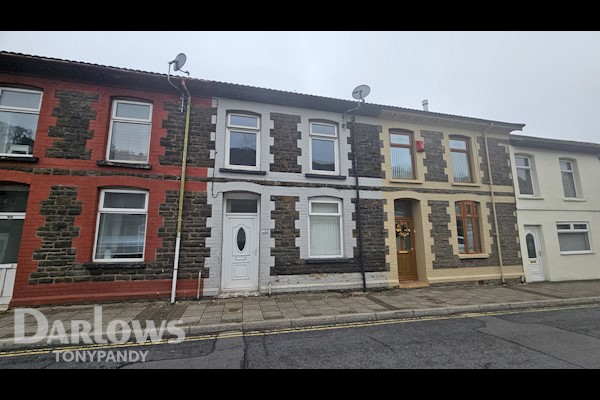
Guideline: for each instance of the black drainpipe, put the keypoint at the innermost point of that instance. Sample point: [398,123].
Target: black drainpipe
[357,207]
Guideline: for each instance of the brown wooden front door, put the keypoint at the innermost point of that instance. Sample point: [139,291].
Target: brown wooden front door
[405,247]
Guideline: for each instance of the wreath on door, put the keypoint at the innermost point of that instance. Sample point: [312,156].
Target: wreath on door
[402,230]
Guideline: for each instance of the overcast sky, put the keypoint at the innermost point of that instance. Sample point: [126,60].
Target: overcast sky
[547,80]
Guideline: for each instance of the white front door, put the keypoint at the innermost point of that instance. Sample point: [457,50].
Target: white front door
[13,203]
[240,246]
[533,258]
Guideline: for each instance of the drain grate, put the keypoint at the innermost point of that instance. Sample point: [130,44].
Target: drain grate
[159,314]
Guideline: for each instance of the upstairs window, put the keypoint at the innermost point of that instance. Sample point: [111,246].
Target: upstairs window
[19,112]
[524,175]
[324,148]
[567,172]
[121,229]
[242,141]
[401,149]
[467,227]
[130,127]
[461,159]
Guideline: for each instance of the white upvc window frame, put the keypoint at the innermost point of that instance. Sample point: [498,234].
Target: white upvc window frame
[339,214]
[114,118]
[573,172]
[244,129]
[531,174]
[320,136]
[130,211]
[22,110]
[573,230]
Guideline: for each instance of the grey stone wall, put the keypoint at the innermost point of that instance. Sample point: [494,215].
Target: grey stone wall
[287,254]
[434,157]
[374,234]
[507,225]
[500,160]
[370,160]
[444,257]
[509,235]
[73,115]
[56,255]
[285,148]
[200,143]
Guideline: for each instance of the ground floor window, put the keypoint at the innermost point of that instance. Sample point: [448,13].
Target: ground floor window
[467,227]
[13,203]
[121,225]
[325,227]
[573,237]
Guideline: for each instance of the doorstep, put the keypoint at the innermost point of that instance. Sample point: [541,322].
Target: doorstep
[412,284]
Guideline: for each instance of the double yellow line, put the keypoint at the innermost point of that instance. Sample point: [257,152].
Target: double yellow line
[236,334]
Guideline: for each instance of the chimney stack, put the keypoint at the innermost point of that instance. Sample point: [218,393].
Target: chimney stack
[425,105]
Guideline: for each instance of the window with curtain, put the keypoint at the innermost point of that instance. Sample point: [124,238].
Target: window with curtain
[461,159]
[524,175]
[121,229]
[243,135]
[573,237]
[130,127]
[19,112]
[325,228]
[323,148]
[567,172]
[401,149]
[467,227]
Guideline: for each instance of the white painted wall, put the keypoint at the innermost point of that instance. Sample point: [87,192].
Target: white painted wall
[549,206]
[284,283]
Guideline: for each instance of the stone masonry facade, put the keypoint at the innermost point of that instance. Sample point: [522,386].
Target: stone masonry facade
[287,254]
[72,130]
[200,142]
[443,250]
[500,160]
[285,148]
[369,145]
[56,257]
[434,160]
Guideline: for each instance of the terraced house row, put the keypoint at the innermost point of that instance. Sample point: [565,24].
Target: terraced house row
[283,191]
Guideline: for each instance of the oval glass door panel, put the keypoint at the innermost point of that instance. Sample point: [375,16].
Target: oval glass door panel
[241,239]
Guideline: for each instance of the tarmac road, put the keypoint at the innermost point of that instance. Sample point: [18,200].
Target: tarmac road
[549,338]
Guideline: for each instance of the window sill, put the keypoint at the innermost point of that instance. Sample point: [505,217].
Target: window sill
[19,159]
[105,163]
[573,199]
[327,260]
[530,198]
[323,176]
[242,171]
[472,256]
[466,184]
[398,180]
[114,265]
[575,253]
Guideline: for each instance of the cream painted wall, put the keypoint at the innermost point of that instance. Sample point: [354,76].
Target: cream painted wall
[549,207]
[406,189]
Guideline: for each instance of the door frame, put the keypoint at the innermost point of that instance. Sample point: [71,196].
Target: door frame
[224,256]
[412,219]
[537,238]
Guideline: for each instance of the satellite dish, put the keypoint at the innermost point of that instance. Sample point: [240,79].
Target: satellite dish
[361,91]
[179,61]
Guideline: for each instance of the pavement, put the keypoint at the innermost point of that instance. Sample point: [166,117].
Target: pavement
[288,311]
